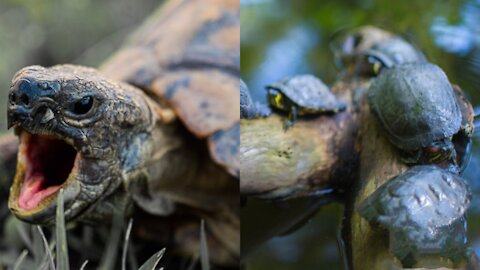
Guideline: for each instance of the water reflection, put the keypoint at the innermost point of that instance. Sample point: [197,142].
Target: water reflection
[459,38]
[284,57]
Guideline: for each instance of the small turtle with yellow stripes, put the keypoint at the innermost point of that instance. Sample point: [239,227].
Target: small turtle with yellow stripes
[302,95]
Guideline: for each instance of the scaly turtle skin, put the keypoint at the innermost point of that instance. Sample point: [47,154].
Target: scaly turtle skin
[423,209]
[416,105]
[302,95]
[158,127]
[386,54]
[249,109]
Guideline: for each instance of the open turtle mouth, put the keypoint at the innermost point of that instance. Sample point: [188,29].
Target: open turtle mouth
[45,165]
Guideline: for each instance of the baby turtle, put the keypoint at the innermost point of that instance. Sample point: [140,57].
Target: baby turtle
[302,95]
[387,53]
[423,209]
[416,105]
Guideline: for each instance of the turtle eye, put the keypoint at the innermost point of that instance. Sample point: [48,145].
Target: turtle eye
[83,105]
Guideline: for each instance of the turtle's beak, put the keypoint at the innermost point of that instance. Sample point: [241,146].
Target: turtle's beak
[45,162]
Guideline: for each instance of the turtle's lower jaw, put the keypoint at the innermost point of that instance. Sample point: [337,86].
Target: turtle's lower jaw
[45,165]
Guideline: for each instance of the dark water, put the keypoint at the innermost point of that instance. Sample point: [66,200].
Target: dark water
[281,38]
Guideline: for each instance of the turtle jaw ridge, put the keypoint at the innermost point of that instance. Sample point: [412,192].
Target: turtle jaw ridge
[45,165]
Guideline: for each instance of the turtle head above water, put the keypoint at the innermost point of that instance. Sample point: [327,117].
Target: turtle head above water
[78,131]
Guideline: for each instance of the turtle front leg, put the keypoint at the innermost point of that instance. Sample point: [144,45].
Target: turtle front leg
[292,118]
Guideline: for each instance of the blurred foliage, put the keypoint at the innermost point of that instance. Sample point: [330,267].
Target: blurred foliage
[50,32]
[281,38]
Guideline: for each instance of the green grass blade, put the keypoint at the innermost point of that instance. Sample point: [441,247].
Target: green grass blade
[204,258]
[84,264]
[193,263]
[152,262]
[23,233]
[38,251]
[20,259]
[110,253]
[49,256]
[61,235]
[125,245]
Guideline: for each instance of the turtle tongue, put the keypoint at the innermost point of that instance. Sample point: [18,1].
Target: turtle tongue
[48,163]
[31,193]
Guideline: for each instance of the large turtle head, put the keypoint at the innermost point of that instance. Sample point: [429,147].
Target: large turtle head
[78,131]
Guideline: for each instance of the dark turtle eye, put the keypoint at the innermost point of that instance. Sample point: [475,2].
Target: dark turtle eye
[83,105]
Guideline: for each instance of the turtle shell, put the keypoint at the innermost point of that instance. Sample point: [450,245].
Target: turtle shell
[416,105]
[423,208]
[395,51]
[196,71]
[308,92]
[347,45]
[424,196]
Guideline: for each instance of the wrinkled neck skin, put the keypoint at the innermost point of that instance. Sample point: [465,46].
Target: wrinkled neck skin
[138,157]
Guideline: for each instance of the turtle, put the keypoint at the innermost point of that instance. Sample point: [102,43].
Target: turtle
[423,209]
[156,127]
[302,95]
[387,53]
[364,51]
[348,45]
[417,107]
[249,109]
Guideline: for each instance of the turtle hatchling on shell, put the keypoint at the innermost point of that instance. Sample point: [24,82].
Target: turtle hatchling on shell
[423,209]
[158,125]
[302,95]
[417,107]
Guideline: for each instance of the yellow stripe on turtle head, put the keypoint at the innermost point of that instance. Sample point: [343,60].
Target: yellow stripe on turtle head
[278,101]
[376,67]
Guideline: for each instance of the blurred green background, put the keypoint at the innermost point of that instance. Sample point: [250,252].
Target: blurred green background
[281,38]
[50,32]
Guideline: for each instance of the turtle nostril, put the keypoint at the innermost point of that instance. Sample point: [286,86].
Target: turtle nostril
[12,98]
[24,99]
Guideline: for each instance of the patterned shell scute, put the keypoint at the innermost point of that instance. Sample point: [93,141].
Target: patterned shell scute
[307,91]
[423,198]
[416,105]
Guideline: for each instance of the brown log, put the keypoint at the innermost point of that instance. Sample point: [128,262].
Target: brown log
[379,162]
[315,154]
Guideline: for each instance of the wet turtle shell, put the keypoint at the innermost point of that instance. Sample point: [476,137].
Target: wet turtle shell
[423,209]
[305,92]
[196,71]
[416,105]
[390,52]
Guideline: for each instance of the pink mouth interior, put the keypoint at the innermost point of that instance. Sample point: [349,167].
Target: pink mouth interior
[48,162]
